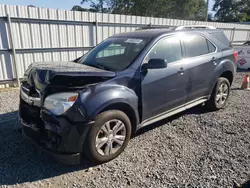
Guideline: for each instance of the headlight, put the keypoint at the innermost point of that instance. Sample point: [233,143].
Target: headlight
[60,103]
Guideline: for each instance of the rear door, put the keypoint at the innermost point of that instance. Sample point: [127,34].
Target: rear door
[201,58]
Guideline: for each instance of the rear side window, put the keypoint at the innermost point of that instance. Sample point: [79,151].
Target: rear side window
[221,37]
[211,47]
[196,45]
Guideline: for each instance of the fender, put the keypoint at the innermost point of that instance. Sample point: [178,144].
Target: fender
[223,66]
[95,99]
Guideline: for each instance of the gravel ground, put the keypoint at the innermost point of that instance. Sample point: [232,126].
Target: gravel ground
[194,149]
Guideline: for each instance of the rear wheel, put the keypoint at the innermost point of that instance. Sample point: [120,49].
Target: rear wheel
[220,94]
[108,137]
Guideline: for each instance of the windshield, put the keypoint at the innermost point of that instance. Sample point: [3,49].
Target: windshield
[114,54]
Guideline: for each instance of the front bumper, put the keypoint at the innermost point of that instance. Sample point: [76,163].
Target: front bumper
[59,136]
[71,159]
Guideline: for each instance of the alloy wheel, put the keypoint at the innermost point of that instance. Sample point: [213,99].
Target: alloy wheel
[222,94]
[110,137]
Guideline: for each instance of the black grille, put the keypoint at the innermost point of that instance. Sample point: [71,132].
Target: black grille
[29,90]
[34,93]
[30,114]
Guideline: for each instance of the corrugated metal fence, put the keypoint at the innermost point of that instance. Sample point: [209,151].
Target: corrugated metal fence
[38,34]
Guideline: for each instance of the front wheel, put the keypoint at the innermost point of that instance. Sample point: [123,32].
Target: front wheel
[220,94]
[108,137]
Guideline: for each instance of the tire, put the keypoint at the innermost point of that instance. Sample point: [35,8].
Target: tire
[213,103]
[98,132]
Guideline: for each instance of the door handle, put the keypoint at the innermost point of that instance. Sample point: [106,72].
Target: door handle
[181,70]
[214,60]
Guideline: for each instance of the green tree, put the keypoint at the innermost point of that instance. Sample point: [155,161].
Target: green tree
[244,10]
[232,10]
[225,10]
[79,8]
[33,6]
[178,9]
[190,9]
[210,17]
[98,6]
[154,8]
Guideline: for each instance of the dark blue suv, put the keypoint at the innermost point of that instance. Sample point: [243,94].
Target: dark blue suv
[90,107]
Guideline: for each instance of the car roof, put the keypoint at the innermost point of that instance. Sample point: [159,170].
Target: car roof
[145,33]
[154,33]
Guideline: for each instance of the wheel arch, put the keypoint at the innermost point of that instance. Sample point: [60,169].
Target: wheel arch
[228,75]
[225,69]
[127,109]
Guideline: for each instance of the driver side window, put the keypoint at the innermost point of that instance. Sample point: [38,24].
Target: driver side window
[168,49]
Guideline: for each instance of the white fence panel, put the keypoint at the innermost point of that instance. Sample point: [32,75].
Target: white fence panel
[41,34]
[25,59]
[3,36]
[240,35]
[228,33]
[5,66]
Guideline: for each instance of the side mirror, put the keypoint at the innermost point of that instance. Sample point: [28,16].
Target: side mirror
[155,64]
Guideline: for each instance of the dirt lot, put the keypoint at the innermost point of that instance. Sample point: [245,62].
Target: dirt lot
[194,149]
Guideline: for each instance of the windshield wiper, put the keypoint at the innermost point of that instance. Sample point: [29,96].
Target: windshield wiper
[100,67]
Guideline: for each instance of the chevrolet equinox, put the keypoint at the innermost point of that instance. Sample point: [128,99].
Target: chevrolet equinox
[91,106]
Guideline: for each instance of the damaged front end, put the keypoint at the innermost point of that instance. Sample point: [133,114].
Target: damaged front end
[43,90]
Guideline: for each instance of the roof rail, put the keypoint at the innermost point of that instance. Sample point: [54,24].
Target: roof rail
[149,26]
[195,27]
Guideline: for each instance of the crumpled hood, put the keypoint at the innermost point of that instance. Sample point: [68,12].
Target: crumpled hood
[63,73]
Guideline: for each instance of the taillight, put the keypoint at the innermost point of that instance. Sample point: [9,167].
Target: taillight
[235,56]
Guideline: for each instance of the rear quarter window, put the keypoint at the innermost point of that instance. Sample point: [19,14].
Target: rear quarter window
[211,47]
[221,37]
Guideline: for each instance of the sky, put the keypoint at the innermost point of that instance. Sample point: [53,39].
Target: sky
[57,4]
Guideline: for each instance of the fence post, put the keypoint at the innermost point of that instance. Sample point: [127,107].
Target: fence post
[248,35]
[207,7]
[232,34]
[96,32]
[14,64]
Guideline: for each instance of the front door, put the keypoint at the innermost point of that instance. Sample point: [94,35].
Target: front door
[166,88]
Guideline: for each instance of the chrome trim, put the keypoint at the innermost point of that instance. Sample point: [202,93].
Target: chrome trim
[30,100]
[26,89]
[173,112]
